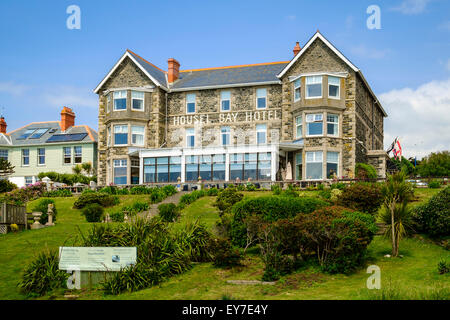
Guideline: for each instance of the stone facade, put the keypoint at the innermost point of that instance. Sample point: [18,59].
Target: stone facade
[165,117]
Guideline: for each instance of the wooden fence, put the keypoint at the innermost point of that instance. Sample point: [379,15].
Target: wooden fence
[10,214]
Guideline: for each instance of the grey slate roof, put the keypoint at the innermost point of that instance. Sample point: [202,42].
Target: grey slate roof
[159,75]
[229,75]
[14,135]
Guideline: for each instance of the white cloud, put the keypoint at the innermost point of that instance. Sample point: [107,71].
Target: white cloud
[420,118]
[365,52]
[73,97]
[13,88]
[291,18]
[412,6]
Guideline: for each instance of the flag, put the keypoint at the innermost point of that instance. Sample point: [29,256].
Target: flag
[397,150]
[392,146]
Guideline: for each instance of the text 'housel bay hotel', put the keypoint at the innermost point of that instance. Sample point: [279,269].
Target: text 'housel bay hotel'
[311,118]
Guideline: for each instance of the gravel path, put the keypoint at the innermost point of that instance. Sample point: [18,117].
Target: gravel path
[153,211]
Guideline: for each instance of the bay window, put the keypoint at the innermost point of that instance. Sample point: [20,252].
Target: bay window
[332,164]
[314,87]
[120,171]
[314,165]
[298,127]
[314,124]
[334,84]
[137,100]
[261,97]
[190,103]
[137,135]
[225,100]
[120,135]
[120,100]
[297,88]
[332,124]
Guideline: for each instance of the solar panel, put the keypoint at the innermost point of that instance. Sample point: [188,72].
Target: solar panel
[26,134]
[38,133]
[67,137]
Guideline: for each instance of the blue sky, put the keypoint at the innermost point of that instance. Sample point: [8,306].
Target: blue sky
[44,65]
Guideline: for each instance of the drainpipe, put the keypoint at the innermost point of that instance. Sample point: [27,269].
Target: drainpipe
[165,129]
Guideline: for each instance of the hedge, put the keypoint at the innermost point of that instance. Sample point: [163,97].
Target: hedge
[433,217]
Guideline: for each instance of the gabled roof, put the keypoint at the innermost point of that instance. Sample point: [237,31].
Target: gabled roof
[157,75]
[53,128]
[316,36]
[261,73]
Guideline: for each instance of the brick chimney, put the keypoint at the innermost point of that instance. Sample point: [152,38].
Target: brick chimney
[2,125]
[296,49]
[67,118]
[174,69]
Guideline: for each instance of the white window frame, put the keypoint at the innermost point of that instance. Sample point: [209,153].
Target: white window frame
[222,100]
[114,134]
[119,95]
[122,163]
[29,177]
[225,130]
[75,155]
[187,102]
[327,161]
[315,153]
[108,102]
[39,157]
[298,86]
[23,157]
[190,132]
[4,154]
[313,79]
[258,130]
[335,123]
[138,98]
[314,120]
[143,135]
[258,96]
[68,157]
[338,86]
[108,136]
[299,125]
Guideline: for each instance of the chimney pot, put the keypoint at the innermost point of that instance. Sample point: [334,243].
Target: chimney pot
[2,125]
[173,70]
[297,49]
[67,118]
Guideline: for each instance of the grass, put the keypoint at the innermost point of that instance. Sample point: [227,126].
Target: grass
[413,276]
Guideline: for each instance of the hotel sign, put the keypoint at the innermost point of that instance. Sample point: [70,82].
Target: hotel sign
[227,117]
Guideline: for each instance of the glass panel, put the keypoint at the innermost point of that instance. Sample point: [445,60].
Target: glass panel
[332,169]
[175,172]
[149,173]
[163,160]
[149,161]
[314,170]
[121,138]
[264,156]
[236,171]
[226,105]
[333,80]
[250,166]
[162,172]
[120,104]
[134,175]
[175,160]
[332,129]
[190,100]
[298,166]
[333,91]
[137,95]
[315,128]
[205,167]
[333,157]
[191,172]
[138,104]
[219,167]
[261,103]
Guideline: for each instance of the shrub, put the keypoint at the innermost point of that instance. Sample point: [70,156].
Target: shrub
[250,187]
[194,240]
[434,185]
[338,185]
[93,212]
[57,193]
[270,208]
[140,190]
[139,206]
[168,212]
[22,195]
[224,255]
[189,198]
[87,191]
[433,217]
[326,194]
[102,199]
[335,194]
[443,267]
[6,186]
[227,198]
[42,275]
[117,216]
[108,190]
[123,191]
[169,190]
[213,192]
[290,192]
[364,171]
[239,187]
[364,197]
[157,195]
[42,206]
[276,189]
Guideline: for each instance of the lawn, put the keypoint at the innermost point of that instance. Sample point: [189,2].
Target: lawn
[415,273]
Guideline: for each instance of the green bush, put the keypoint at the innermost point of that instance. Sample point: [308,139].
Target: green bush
[227,198]
[434,185]
[362,196]
[276,189]
[140,190]
[250,187]
[290,191]
[87,191]
[325,194]
[443,267]
[194,240]
[213,192]
[57,193]
[123,191]
[338,185]
[93,212]
[433,217]
[103,199]
[139,206]
[364,171]
[168,212]
[169,190]
[157,195]
[42,206]
[67,178]
[223,253]
[189,198]
[109,190]
[42,275]
[6,186]
[270,208]
[117,216]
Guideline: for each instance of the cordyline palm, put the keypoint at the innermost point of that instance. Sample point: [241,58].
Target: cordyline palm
[396,191]
[87,167]
[402,221]
[77,169]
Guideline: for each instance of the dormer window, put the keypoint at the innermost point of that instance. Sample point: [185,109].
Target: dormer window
[137,100]
[120,100]
[313,87]
[190,103]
